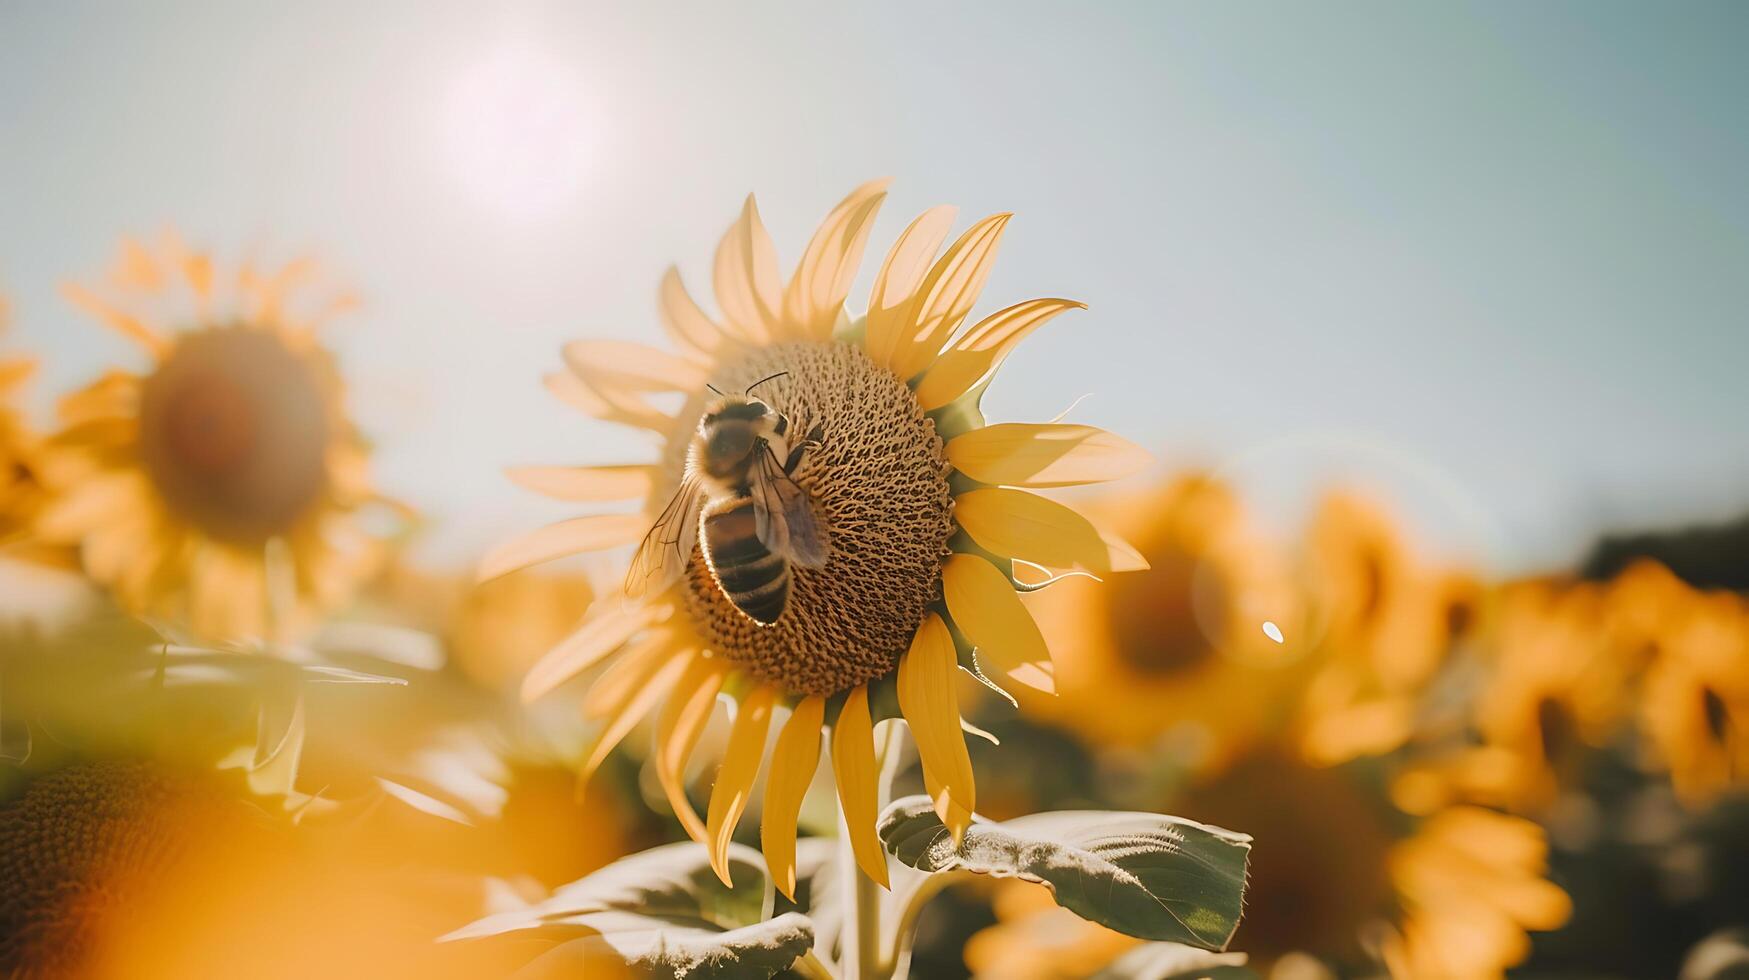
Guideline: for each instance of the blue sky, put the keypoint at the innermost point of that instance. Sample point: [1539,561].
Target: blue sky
[1492,260]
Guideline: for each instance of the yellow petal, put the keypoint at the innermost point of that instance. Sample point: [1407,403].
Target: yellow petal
[1017,524]
[1051,455]
[94,502]
[1120,555]
[137,268]
[894,298]
[127,325]
[622,365]
[948,294]
[793,760]
[677,731]
[601,635]
[595,532]
[853,765]
[656,678]
[628,672]
[736,774]
[681,317]
[984,606]
[828,265]
[975,355]
[931,706]
[571,390]
[749,288]
[592,484]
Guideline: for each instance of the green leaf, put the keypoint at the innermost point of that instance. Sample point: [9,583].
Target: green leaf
[662,911]
[1143,874]
[667,949]
[1176,961]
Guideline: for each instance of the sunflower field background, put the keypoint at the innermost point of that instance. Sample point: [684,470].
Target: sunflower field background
[1288,519]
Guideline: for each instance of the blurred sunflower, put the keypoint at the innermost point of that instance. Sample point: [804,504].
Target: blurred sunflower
[222,487]
[20,489]
[1695,705]
[1389,621]
[1337,875]
[923,505]
[1553,688]
[1177,649]
[84,847]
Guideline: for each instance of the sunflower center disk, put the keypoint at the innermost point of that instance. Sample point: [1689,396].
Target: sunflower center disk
[233,430]
[879,483]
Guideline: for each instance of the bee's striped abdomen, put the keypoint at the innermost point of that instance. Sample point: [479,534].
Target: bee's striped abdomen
[751,577]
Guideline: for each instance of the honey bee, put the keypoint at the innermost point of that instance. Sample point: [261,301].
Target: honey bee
[739,500]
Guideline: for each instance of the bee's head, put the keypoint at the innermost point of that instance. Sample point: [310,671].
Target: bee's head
[730,426]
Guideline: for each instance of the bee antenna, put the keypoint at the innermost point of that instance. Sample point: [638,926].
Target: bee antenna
[713,387]
[763,380]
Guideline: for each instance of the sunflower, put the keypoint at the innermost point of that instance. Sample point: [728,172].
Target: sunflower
[1556,687]
[222,487]
[20,488]
[926,509]
[1389,620]
[1177,651]
[1471,883]
[1695,704]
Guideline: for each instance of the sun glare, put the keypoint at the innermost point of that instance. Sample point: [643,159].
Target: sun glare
[518,132]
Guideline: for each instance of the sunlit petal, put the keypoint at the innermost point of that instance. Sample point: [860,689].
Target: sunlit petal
[793,760]
[601,635]
[735,776]
[594,532]
[948,294]
[829,263]
[853,766]
[929,700]
[972,357]
[677,730]
[682,318]
[1018,524]
[749,287]
[894,298]
[1057,455]
[593,484]
[987,610]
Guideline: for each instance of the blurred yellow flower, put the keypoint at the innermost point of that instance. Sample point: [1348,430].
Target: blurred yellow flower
[1695,706]
[923,506]
[1177,649]
[20,485]
[1389,620]
[221,488]
[1556,685]
[84,848]
[1470,883]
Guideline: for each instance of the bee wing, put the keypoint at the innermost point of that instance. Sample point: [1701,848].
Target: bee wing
[783,515]
[662,555]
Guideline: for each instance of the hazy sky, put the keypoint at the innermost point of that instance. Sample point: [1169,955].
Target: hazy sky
[1493,259]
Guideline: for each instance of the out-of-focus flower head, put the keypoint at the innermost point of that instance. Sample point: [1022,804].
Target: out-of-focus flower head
[20,484]
[925,510]
[223,486]
[1389,620]
[1695,705]
[1177,651]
